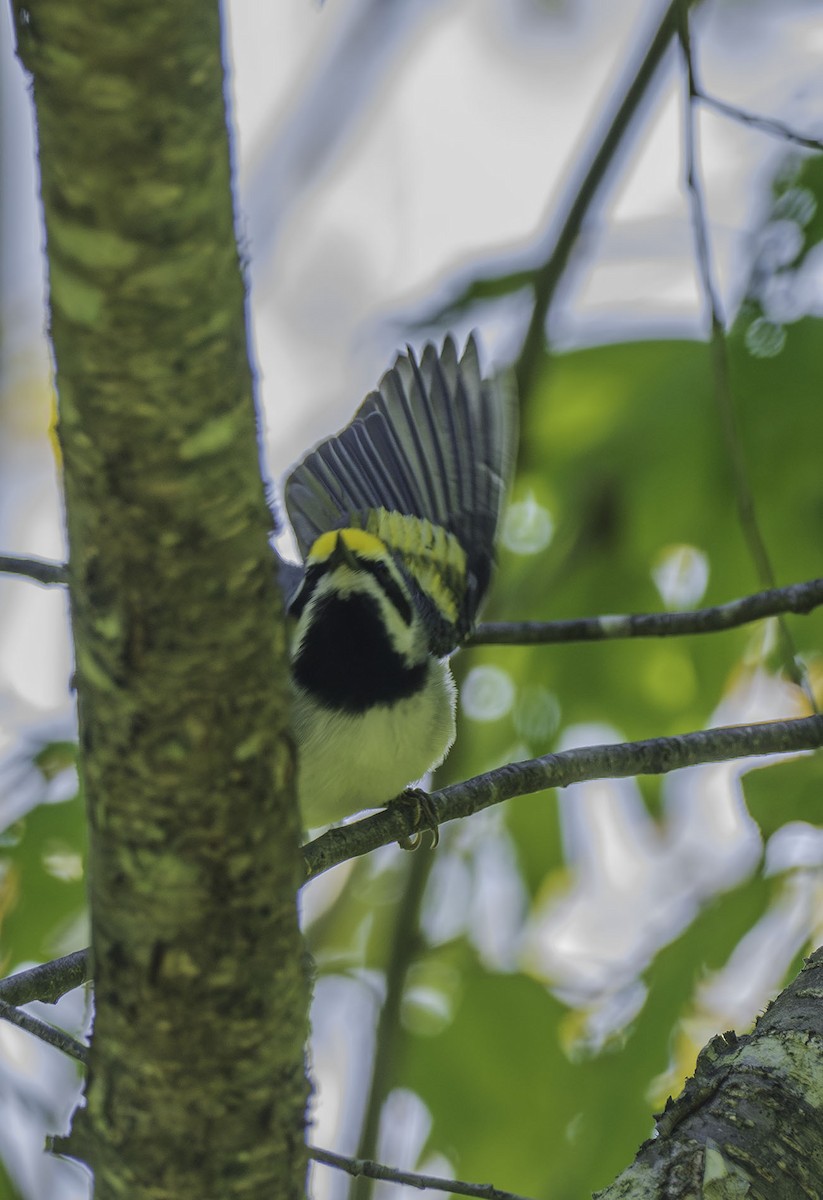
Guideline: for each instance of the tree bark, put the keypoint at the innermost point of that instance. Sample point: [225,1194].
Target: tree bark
[197,1085]
[748,1123]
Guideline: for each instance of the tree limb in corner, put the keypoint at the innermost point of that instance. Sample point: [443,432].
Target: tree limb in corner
[747,1124]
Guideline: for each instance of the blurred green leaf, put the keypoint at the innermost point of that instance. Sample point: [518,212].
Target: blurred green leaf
[785,791]
[42,886]
[7,1189]
[55,757]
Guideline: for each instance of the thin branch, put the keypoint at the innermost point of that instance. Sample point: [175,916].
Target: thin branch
[796,598]
[373,1170]
[720,359]
[404,946]
[46,1033]
[39,570]
[582,191]
[800,598]
[694,186]
[656,756]
[47,982]
[765,124]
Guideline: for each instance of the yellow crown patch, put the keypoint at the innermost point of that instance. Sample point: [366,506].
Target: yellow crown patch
[359,541]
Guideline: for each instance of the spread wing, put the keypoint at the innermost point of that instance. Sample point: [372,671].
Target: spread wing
[425,465]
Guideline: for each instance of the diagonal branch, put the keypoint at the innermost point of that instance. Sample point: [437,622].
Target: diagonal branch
[796,598]
[722,383]
[582,191]
[720,358]
[46,1033]
[764,124]
[656,756]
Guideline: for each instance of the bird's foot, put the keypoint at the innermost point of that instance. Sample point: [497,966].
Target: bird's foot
[423,813]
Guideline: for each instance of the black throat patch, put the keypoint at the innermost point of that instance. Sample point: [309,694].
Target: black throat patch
[346,660]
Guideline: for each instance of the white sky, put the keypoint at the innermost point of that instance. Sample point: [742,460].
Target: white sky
[475,119]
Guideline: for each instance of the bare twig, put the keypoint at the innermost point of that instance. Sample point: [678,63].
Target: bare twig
[657,756]
[39,570]
[720,359]
[404,947]
[46,1033]
[765,124]
[373,1170]
[796,598]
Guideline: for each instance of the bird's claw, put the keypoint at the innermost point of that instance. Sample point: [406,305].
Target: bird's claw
[423,813]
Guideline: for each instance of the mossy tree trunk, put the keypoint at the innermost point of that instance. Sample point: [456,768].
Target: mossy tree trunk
[197,1085]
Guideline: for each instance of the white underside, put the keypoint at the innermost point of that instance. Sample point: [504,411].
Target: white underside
[350,762]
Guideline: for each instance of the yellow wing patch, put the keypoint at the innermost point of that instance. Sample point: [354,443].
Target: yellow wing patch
[432,556]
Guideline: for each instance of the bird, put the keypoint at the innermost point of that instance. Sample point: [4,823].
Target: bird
[395,518]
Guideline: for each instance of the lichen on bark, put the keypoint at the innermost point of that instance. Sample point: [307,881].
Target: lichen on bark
[197,1083]
[747,1124]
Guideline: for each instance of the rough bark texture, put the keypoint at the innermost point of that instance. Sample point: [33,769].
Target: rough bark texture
[197,1085]
[747,1125]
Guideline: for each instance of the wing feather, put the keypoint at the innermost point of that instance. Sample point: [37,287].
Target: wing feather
[435,442]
